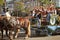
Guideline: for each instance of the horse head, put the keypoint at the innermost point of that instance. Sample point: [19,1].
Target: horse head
[8,15]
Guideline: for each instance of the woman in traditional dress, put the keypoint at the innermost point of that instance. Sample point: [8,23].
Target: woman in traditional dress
[53,15]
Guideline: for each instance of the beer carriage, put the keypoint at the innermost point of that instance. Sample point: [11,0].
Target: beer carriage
[44,26]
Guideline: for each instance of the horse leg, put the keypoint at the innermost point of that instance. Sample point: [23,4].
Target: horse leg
[2,33]
[10,35]
[7,32]
[28,31]
[16,33]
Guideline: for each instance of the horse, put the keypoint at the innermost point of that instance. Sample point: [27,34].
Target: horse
[3,26]
[8,25]
[25,24]
[14,23]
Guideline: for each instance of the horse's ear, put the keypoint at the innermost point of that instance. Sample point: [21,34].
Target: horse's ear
[11,14]
[31,11]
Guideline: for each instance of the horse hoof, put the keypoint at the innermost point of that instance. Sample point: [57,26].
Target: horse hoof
[2,39]
[15,36]
[26,38]
[11,39]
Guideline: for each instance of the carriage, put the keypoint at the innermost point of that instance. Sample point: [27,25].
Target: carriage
[53,20]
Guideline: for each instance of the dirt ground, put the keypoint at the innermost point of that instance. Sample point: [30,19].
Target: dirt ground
[47,38]
[42,38]
[56,37]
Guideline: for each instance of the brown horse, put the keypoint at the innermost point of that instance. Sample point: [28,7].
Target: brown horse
[25,24]
[15,24]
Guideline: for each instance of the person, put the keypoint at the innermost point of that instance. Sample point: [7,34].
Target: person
[53,14]
[38,18]
[48,14]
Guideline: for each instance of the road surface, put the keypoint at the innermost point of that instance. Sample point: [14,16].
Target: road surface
[20,37]
[38,38]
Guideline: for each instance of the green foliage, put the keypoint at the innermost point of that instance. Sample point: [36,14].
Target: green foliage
[1,2]
[20,6]
[46,2]
[27,10]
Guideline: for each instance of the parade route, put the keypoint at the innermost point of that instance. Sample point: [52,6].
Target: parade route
[57,37]
[22,34]
[42,38]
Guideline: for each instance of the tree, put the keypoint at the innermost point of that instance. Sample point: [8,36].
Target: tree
[46,2]
[19,6]
[1,2]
